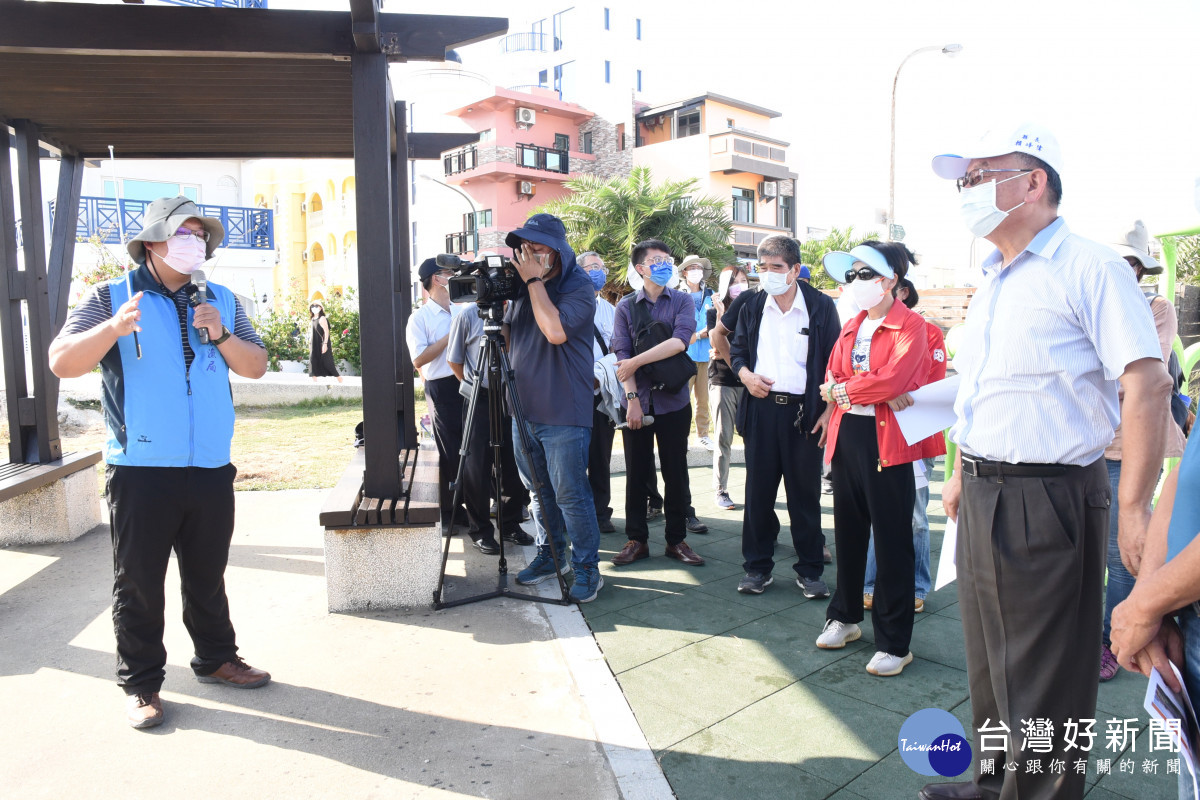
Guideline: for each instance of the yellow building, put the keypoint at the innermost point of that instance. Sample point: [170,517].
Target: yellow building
[724,143]
[315,225]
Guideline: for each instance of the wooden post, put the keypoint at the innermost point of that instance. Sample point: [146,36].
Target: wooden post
[402,307]
[62,239]
[374,138]
[12,331]
[38,414]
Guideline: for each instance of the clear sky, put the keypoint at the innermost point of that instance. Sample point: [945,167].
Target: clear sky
[1115,80]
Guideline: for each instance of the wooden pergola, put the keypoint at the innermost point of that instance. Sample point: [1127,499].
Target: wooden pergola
[202,82]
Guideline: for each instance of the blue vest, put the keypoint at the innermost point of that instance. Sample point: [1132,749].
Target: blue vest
[159,412]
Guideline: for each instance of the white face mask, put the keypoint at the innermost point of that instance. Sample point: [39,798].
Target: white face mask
[185,257]
[694,276]
[867,294]
[775,283]
[979,210]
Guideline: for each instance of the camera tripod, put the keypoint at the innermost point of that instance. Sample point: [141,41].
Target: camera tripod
[494,359]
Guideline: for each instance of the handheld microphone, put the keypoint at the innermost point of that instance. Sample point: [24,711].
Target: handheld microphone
[646,421]
[196,298]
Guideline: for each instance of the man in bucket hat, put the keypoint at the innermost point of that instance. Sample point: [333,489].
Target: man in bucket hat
[169,412]
[549,331]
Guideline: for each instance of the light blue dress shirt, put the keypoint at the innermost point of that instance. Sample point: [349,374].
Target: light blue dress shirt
[1045,340]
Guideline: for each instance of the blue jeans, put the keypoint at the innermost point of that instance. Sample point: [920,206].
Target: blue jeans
[1120,582]
[920,525]
[559,456]
[1189,623]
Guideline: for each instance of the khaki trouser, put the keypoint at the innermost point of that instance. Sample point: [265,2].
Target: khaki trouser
[699,387]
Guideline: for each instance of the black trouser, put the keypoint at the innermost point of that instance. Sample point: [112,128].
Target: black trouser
[152,511]
[477,473]
[1030,558]
[776,449]
[446,414]
[866,497]
[670,430]
[599,464]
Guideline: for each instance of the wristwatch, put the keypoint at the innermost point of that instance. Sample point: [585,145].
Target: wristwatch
[225,334]
[631,395]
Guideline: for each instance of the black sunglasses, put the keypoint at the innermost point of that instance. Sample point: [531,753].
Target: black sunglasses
[864,273]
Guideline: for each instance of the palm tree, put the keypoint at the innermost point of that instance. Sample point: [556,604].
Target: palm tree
[611,216]
[814,250]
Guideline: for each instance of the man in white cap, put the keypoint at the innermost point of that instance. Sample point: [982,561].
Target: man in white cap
[1134,247]
[169,412]
[1056,322]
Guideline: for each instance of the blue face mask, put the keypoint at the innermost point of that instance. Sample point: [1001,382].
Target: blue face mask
[662,274]
[599,278]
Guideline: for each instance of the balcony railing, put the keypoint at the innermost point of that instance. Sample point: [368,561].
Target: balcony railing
[219,3]
[527,41]
[546,158]
[461,160]
[245,228]
[528,88]
[459,243]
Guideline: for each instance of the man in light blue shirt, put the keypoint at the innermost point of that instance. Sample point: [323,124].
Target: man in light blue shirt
[1057,322]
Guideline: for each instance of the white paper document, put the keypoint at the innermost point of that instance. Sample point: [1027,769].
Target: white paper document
[947,571]
[932,410]
[1165,704]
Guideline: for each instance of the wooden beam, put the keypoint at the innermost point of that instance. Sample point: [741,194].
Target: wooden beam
[364,25]
[39,417]
[12,330]
[84,29]
[374,132]
[62,239]
[431,145]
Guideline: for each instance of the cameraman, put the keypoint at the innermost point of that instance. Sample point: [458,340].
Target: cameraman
[549,333]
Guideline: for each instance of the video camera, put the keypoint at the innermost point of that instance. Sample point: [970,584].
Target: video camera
[490,280]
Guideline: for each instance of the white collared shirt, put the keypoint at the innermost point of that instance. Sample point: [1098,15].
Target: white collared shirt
[783,346]
[428,324]
[1044,342]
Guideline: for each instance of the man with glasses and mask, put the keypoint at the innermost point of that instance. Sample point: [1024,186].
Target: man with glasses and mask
[779,349]
[1056,327]
[427,335]
[671,410]
[549,332]
[169,413]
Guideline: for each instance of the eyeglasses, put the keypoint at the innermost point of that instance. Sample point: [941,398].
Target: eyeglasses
[183,233]
[594,265]
[974,178]
[864,273]
[654,261]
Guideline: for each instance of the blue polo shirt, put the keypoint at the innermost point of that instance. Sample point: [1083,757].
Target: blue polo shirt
[1185,517]
[554,381]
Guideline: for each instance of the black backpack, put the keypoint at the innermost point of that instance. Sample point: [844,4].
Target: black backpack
[669,374]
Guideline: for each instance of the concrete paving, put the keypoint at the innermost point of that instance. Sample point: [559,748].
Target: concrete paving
[499,699]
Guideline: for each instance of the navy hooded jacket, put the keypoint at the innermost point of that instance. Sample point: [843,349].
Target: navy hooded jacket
[554,381]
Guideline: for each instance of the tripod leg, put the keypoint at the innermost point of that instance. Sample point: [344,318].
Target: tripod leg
[463,452]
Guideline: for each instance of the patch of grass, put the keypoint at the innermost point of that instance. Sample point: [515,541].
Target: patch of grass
[85,405]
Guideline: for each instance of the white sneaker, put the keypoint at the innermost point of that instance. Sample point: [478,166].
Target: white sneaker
[885,664]
[707,443]
[837,634]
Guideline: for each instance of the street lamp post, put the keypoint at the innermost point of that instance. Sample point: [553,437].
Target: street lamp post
[467,197]
[949,50]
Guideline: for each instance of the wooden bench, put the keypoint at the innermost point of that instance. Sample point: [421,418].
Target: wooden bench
[18,479]
[346,507]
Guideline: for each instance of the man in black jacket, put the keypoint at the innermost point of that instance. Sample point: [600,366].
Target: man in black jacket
[782,338]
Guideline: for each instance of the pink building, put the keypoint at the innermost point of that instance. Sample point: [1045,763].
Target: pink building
[530,144]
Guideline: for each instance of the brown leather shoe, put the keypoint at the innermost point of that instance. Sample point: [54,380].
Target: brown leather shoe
[238,674]
[684,553]
[962,790]
[144,710]
[631,552]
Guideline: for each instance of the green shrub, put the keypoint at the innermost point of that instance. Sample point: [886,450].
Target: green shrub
[286,336]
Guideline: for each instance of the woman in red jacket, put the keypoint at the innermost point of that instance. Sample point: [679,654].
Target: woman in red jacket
[880,355]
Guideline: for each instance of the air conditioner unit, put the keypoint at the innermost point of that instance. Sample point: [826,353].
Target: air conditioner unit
[304,208]
[527,188]
[769,189]
[304,255]
[526,116]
